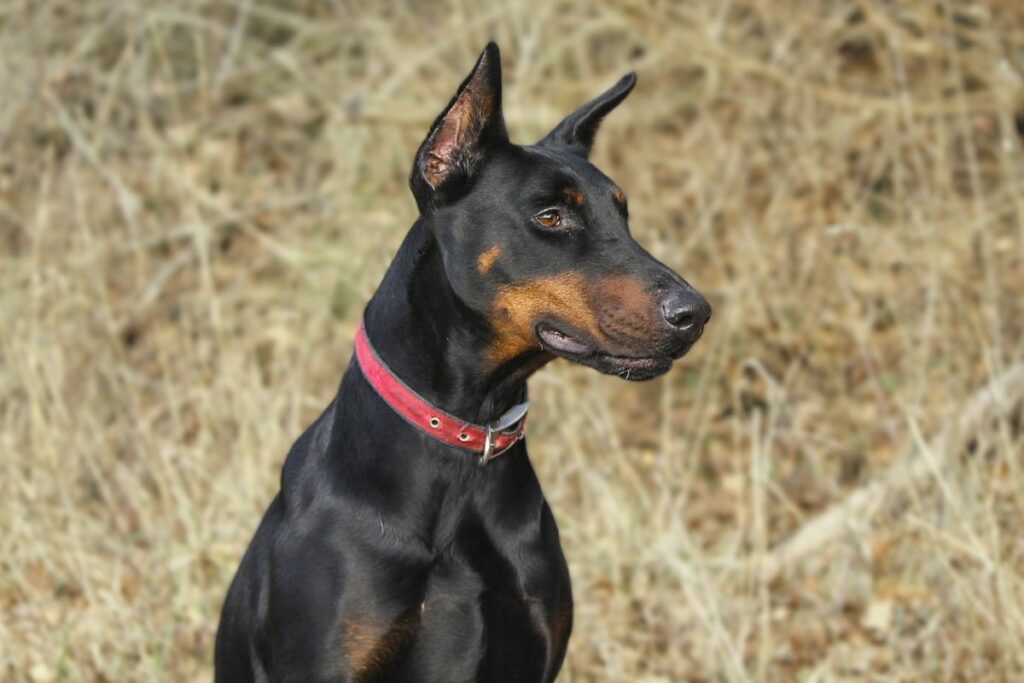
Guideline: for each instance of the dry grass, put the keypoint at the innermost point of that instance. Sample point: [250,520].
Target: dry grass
[196,197]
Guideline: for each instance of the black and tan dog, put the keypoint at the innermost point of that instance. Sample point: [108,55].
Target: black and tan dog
[390,553]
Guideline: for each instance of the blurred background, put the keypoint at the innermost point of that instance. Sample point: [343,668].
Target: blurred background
[198,196]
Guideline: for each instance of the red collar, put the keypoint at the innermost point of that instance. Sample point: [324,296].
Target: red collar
[488,441]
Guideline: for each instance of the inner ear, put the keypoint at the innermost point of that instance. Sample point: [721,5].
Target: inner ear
[456,139]
[462,134]
[577,131]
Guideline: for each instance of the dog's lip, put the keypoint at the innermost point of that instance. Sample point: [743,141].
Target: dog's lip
[563,344]
[555,340]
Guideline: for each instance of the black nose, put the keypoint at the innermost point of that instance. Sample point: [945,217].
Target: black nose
[686,310]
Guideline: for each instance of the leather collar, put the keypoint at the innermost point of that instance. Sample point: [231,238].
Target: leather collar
[487,441]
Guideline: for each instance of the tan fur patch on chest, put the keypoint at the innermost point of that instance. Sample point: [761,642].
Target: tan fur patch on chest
[370,646]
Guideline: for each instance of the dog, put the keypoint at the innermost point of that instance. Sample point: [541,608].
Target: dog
[410,540]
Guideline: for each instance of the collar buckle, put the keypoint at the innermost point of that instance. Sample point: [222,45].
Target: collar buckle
[506,425]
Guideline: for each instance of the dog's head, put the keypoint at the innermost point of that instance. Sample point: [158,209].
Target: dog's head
[535,239]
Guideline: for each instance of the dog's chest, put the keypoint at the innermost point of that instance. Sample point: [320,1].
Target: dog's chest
[468,627]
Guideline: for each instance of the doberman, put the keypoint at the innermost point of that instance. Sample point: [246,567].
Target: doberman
[390,553]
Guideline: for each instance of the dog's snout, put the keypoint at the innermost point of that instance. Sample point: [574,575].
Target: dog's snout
[686,311]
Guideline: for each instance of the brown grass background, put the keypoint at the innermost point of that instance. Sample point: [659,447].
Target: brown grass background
[198,196]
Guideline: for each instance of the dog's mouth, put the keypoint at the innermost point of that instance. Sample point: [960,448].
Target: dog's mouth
[631,367]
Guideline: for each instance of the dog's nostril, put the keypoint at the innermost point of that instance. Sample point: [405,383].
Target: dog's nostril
[680,319]
[685,312]
[678,314]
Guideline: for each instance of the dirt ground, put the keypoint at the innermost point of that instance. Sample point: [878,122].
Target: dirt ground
[198,196]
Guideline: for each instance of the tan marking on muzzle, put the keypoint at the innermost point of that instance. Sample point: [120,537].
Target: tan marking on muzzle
[629,310]
[486,260]
[519,307]
[619,312]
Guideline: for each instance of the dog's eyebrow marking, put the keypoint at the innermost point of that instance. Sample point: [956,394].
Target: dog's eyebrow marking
[487,258]
[619,196]
[574,194]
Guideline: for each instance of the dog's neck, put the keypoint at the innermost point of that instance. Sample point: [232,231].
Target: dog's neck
[434,343]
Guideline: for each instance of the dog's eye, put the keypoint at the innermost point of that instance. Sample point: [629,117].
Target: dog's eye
[550,218]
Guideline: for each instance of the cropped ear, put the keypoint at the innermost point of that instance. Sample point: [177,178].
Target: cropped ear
[462,135]
[576,132]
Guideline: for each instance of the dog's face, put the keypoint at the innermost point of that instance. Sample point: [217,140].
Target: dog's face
[535,239]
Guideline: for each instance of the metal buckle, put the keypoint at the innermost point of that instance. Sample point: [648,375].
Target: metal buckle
[503,425]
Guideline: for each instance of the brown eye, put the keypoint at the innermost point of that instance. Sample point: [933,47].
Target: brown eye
[549,219]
